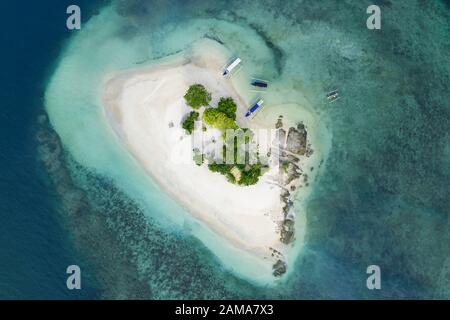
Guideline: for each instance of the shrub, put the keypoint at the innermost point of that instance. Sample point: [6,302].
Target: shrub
[218,119]
[197,96]
[198,158]
[227,106]
[251,176]
[285,166]
[188,124]
[220,168]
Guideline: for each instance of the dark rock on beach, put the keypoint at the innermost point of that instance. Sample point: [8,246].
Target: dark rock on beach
[279,268]
[279,124]
[296,140]
[287,232]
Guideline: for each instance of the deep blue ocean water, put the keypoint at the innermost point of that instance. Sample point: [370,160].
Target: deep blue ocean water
[384,198]
[34,249]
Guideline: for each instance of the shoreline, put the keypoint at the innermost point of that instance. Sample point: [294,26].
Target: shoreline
[220,207]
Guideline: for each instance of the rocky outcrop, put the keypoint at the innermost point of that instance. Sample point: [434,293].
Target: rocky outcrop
[293,172]
[287,231]
[293,144]
[279,123]
[296,140]
[279,268]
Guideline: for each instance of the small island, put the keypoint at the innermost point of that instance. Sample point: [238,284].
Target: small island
[184,123]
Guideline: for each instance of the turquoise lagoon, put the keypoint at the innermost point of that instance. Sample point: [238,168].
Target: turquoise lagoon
[381,196]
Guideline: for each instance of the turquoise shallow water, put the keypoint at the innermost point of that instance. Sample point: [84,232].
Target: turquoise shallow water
[381,199]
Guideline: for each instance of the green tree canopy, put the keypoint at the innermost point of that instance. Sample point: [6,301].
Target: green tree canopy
[218,119]
[250,176]
[249,173]
[197,96]
[227,106]
[189,122]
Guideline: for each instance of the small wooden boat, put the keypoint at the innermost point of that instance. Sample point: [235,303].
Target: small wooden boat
[333,95]
[231,66]
[255,107]
[259,83]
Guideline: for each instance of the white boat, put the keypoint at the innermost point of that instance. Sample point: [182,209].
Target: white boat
[231,66]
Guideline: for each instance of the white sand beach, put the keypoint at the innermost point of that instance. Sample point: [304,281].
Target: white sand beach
[145,108]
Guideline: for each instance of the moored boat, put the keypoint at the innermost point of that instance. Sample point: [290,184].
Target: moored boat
[231,66]
[259,83]
[255,107]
